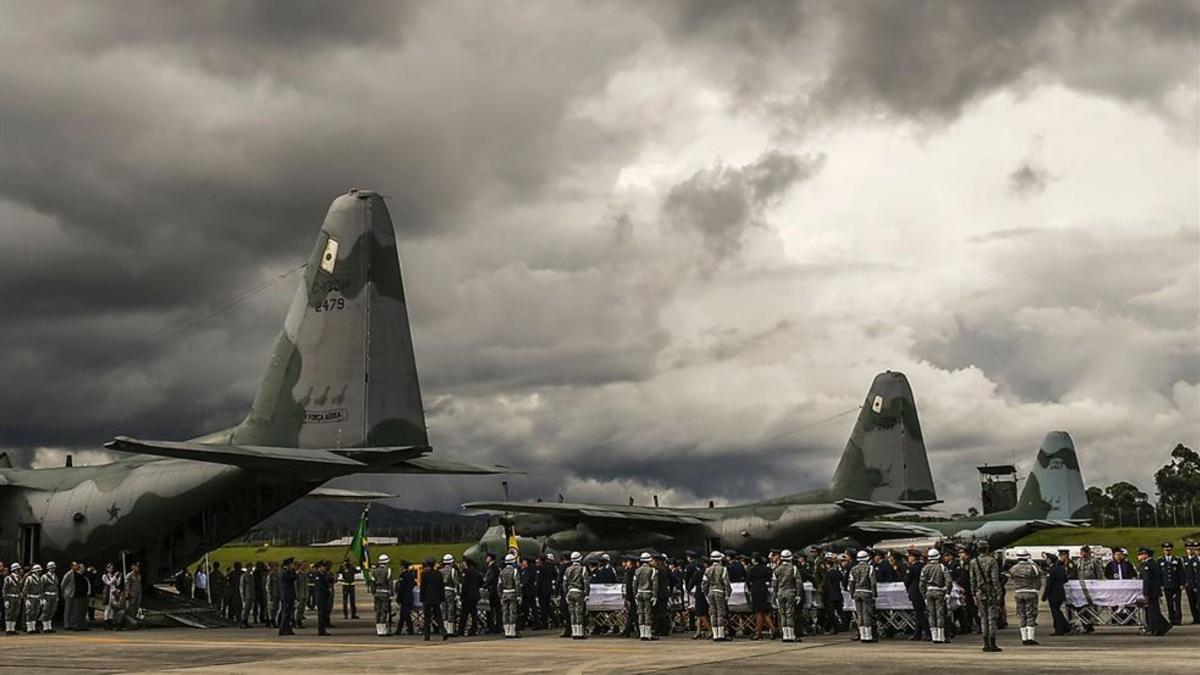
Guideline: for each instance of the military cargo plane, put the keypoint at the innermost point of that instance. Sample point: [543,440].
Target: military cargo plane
[340,397]
[884,469]
[1053,496]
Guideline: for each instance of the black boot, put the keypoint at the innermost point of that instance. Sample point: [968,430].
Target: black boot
[995,647]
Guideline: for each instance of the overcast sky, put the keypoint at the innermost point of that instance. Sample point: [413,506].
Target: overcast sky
[641,242]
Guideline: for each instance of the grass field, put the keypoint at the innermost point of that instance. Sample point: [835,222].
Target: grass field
[251,554]
[1129,537]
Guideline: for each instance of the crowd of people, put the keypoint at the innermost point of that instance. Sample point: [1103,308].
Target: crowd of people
[37,599]
[543,593]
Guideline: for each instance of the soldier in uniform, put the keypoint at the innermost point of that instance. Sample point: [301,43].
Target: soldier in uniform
[301,580]
[935,587]
[246,596]
[1191,579]
[984,572]
[31,589]
[405,585]
[785,586]
[1027,585]
[1056,591]
[323,596]
[577,587]
[287,585]
[716,588]
[1172,582]
[346,578]
[12,598]
[133,592]
[49,597]
[862,588]
[452,584]
[433,595]
[381,591]
[661,615]
[644,584]
[1088,568]
[271,583]
[509,584]
[1151,575]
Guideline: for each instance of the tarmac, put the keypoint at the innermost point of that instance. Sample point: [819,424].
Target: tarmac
[353,647]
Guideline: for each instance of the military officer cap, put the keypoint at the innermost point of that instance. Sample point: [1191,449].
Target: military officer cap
[1192,544]
[691,553]
[549,557]
[429,562]
[1085,549]
[1122,551]
[730,552]
[1146,550]
[1167,544]
[604,557]
[1064,550]
[829,555]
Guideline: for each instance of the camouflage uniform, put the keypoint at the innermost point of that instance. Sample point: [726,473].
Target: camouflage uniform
[272,582]
[785,584]
[716,588]
[510,598]
[1027,586]
[862,589]
[12,601]
[49,600]
[644,580]
[984,572]
[381,590]
[246,594]
[452,581]
[32,590]
[577,585]
[1085,570]
[935,586]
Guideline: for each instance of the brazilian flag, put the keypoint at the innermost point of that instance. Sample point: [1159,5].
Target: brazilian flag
[358,546]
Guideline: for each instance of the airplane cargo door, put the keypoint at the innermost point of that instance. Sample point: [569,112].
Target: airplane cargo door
[29,544]
[714,544]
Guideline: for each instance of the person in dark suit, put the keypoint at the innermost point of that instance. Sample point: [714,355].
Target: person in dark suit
[406,582]
[491,585]
[472,584]
[912,585]
[758,584]
[287,597]
[831,595]
[1056,591]
[631,615]
[1191,579]
[1151,574]
[433,594]
[1172,582]
[1119,567]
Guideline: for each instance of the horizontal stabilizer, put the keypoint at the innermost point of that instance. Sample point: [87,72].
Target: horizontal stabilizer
[886,528]
[646,514]
[333,461]
[429,465]
[864,507]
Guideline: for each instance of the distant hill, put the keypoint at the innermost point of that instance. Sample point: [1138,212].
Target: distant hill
[317,520]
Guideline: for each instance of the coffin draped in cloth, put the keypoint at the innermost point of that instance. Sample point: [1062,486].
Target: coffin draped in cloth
[1104,592]
[893,595]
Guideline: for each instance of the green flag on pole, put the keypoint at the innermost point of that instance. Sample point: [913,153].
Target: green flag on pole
[358,546]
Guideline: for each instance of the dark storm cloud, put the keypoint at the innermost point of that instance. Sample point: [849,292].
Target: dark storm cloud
[721,203]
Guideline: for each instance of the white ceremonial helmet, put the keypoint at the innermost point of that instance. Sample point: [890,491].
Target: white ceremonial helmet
[447,559]
[36,568]
[383,559]
[933,553]
[50,565]
[576,556]
[715,556]
[510,558]
[1022,554]
[645,557]
[863,555]
[786,554]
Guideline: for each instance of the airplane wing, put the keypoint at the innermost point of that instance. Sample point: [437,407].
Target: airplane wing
[890,530]
[335,461]
[343,495]
[607,512]
[865,507]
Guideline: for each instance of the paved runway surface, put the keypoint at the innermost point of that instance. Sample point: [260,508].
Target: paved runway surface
[355,648]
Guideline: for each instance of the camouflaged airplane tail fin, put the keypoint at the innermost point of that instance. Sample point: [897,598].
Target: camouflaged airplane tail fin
[343,373]
[885,458]
[1054,488]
